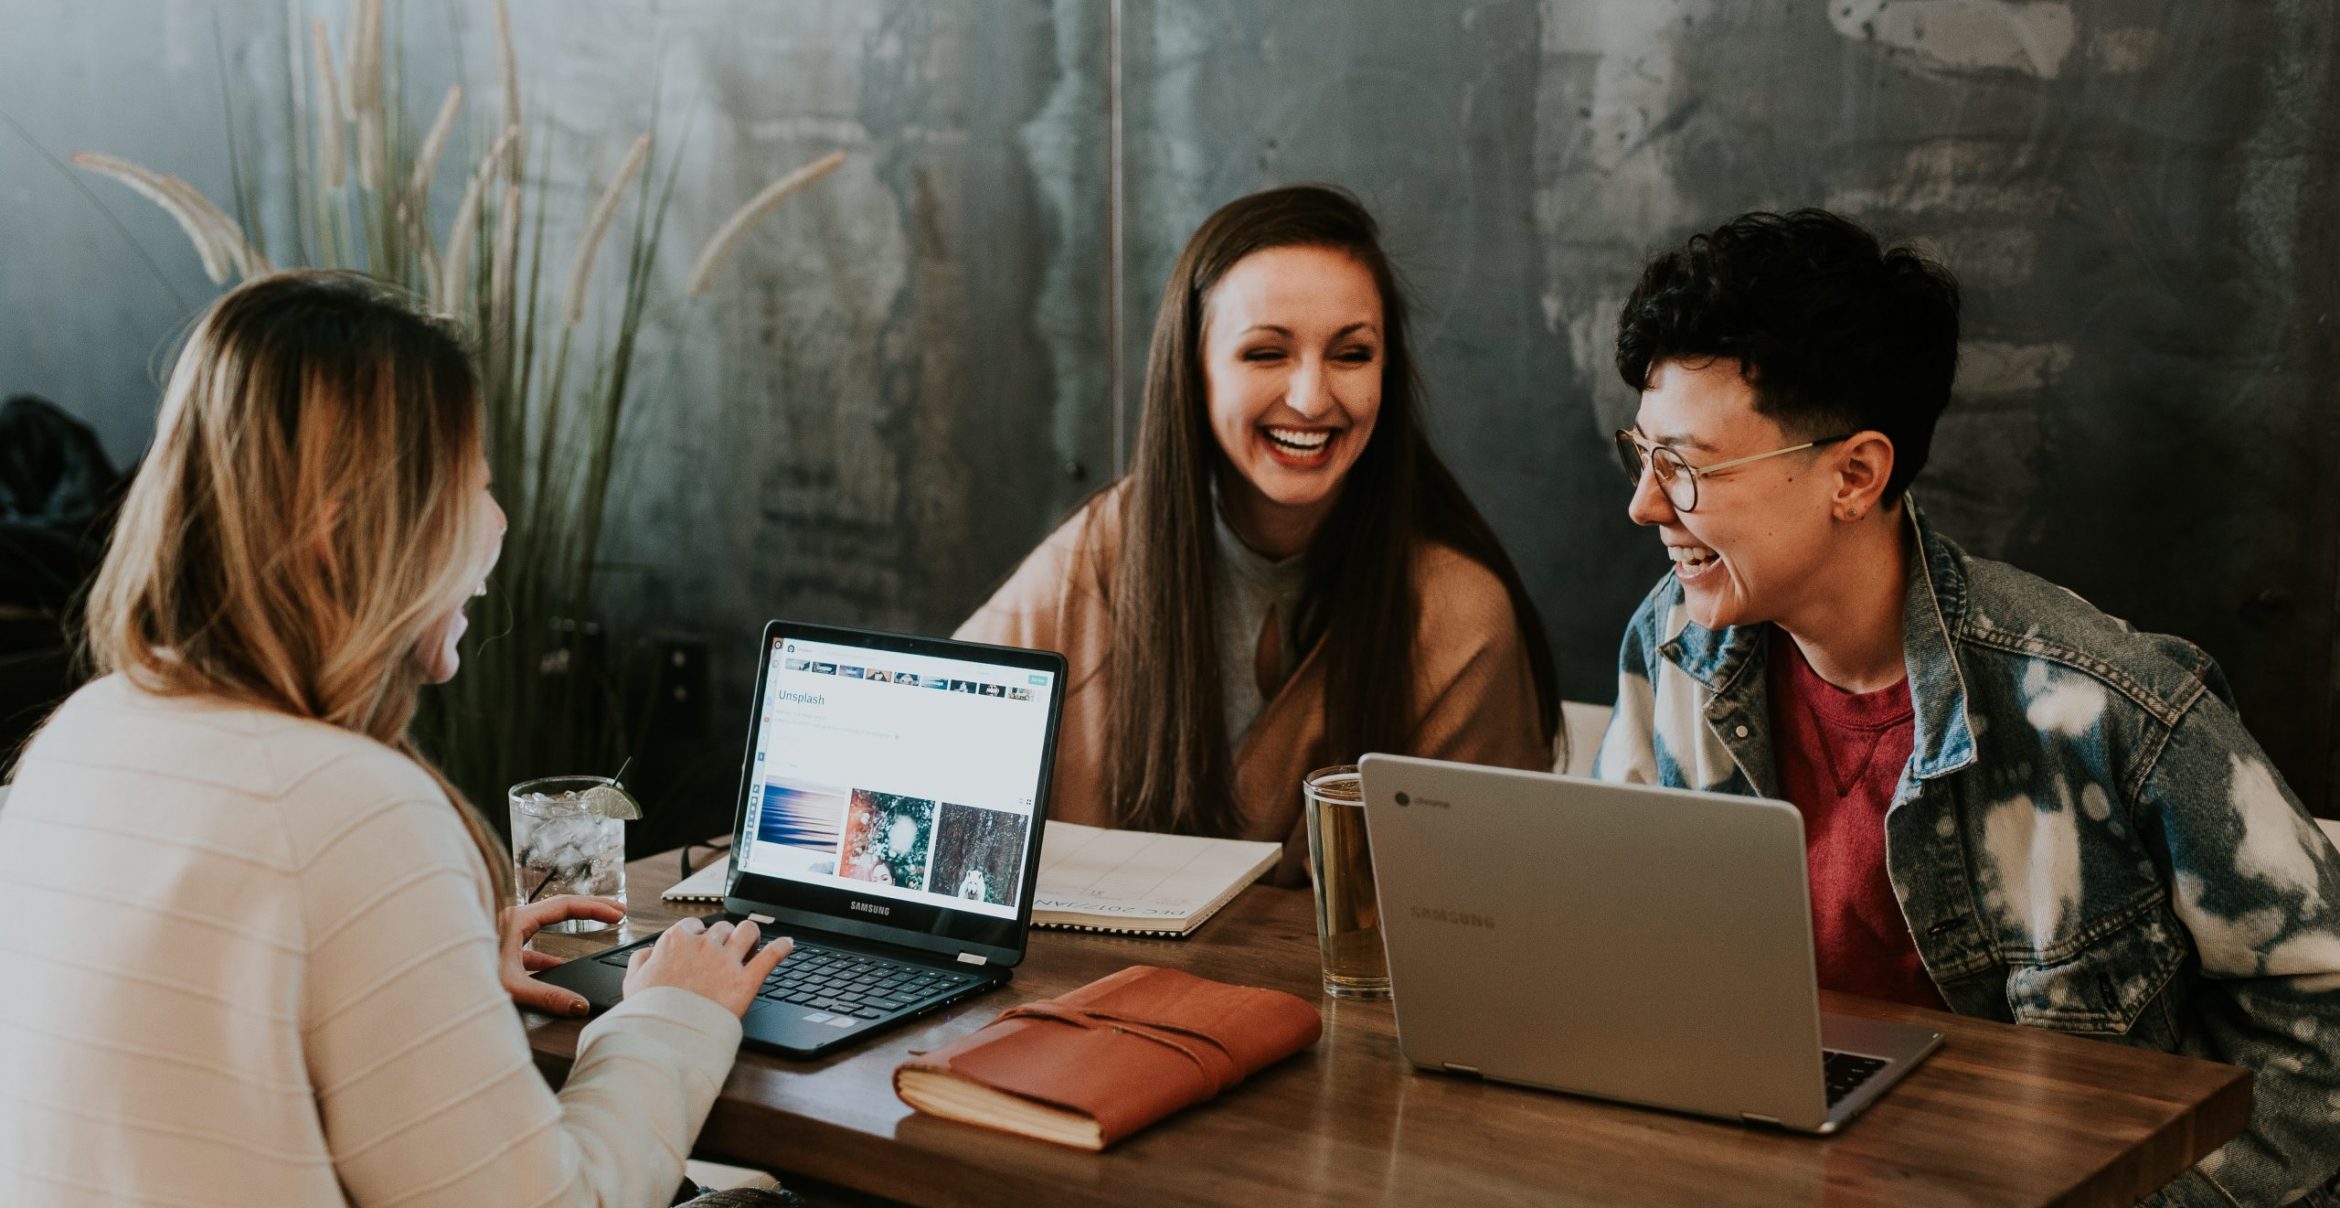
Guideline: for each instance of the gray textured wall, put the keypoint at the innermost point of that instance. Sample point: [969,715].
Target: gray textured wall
[2138,198]
[904,380]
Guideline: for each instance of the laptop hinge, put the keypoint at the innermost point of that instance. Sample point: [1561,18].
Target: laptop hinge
[761,920]
[1452,1068]
[973,958]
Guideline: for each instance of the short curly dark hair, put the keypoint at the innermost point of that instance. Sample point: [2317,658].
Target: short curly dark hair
[1835,332]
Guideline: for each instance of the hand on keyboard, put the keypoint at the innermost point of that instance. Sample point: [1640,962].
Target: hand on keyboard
[721,963]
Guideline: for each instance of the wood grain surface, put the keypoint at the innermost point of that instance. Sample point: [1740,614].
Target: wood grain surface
[2001,1115]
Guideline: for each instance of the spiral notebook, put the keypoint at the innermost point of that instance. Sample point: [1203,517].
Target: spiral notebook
[1140,883]
[705,885]
[1095,879]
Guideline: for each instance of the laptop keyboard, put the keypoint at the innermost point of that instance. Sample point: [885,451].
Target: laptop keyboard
[857,984]
[852,984]
[1845,1072]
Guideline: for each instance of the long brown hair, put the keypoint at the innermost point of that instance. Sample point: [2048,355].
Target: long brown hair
[304,516]
[1170,762]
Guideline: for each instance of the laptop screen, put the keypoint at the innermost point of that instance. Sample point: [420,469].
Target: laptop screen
[898,781]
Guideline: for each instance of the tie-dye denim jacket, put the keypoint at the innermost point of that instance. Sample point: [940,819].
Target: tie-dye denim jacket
[2085,838]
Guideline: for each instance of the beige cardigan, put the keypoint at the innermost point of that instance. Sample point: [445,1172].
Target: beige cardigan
[250,961]
[1475,696]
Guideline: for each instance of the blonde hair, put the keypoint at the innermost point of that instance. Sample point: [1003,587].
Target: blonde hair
[305,515]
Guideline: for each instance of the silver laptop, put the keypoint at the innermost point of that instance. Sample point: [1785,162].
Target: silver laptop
[1647,945]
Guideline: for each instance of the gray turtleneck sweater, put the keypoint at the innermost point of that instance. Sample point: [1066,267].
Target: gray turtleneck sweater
[1250,586]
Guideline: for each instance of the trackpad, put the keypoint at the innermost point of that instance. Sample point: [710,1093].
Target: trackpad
[794,1025]
[602,983]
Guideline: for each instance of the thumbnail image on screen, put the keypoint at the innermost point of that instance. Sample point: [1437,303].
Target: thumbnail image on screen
[978,854]
[886,839]
[804,817]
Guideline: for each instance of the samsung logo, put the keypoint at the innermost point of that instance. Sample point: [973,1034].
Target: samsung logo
[1430,803]
[1459,918]
[872,908]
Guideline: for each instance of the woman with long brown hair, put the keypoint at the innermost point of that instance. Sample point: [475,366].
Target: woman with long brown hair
[1288,577]
[259,949]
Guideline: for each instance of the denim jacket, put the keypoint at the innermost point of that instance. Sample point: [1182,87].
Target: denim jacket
[2085,838]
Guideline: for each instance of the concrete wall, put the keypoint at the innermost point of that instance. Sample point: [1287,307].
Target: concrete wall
[906,376]
[2138,198]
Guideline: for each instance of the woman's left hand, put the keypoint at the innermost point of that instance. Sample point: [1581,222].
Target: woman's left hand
[521,923]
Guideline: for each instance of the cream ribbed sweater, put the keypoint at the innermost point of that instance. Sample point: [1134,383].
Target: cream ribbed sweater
[247,960]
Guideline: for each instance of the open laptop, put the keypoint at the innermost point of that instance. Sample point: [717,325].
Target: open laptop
[1641,944]
[889,821]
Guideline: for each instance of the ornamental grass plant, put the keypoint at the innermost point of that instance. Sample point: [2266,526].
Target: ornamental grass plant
[536,695]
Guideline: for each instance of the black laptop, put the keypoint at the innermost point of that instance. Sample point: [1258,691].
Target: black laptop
[889,821]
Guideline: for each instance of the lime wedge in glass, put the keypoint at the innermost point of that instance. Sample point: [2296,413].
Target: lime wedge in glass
[612,801]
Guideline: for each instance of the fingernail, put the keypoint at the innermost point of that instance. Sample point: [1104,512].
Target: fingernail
[579,1007]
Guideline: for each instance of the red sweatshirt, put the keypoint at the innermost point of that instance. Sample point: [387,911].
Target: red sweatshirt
[1838,756]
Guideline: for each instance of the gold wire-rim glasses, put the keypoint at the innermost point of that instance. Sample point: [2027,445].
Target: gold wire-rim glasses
[1675,475]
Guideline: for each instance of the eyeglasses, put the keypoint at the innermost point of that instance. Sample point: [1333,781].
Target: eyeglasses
[1678,478]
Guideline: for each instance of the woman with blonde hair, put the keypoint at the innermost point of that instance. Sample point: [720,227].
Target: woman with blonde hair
[254,936]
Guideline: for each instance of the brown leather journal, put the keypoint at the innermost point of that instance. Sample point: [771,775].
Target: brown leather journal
[1091,1067]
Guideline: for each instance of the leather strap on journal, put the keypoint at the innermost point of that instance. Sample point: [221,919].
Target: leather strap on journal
[1211,1059]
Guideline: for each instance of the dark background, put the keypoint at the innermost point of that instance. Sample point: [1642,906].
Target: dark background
[915,368]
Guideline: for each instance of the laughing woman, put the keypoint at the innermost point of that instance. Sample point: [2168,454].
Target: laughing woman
[1289,577]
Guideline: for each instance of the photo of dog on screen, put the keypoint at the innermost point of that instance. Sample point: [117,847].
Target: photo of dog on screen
[978,854]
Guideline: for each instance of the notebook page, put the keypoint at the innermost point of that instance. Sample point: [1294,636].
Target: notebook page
[1140,877]
[705,885]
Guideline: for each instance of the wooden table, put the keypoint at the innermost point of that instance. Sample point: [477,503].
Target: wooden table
[2001,1115]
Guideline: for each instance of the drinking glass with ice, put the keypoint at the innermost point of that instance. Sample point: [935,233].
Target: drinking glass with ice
[569,836]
